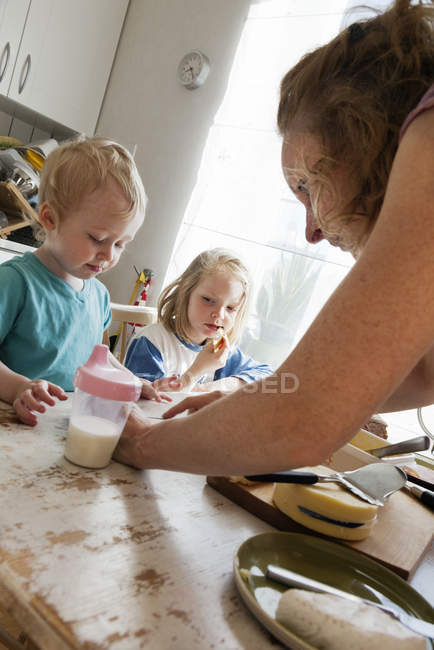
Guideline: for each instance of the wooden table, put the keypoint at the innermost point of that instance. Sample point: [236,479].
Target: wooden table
[120,559]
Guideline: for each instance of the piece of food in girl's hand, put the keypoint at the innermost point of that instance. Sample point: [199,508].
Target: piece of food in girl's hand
[327,508]
[333,623]
[219,340]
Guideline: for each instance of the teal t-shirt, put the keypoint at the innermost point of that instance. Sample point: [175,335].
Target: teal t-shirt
[47,328]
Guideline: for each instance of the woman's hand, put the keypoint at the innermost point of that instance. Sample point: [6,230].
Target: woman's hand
[30,397]
[194,403]
[133,438]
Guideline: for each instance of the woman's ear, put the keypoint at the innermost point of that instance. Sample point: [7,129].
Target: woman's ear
[48,216]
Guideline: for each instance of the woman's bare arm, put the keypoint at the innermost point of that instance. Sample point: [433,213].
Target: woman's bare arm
[374,329]
[416,390]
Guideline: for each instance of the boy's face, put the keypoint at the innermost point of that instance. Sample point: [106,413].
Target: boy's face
[89,238]
[213,303]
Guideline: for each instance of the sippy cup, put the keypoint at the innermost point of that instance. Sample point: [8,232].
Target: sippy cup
[103,397]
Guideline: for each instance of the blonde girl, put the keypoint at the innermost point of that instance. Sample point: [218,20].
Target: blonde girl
[209,301]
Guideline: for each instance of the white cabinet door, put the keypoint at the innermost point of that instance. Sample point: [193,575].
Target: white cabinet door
[65,58]
[12,21]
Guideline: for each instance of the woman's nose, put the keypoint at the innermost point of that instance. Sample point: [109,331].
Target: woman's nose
[313,232]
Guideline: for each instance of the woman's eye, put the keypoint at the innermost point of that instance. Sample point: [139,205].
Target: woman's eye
[98,241]
[302,188]
[206,299]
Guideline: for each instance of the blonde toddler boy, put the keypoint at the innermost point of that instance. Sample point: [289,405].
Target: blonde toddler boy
[53,309]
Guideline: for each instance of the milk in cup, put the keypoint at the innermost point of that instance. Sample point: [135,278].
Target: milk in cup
[103,397]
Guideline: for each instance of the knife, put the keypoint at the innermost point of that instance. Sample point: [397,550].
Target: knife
[420,481]
[425,496]
[287,577]
[413,444]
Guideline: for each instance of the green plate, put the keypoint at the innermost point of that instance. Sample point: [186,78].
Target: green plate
[322,560]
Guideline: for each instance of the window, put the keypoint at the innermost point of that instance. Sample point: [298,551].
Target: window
[241,200]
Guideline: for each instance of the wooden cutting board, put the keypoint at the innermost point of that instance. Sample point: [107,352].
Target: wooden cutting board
[401,535]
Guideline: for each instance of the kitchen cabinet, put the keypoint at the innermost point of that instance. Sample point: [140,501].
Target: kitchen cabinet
[13,14]
[65,54]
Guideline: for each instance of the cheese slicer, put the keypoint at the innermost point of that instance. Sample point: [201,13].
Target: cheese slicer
[374,483]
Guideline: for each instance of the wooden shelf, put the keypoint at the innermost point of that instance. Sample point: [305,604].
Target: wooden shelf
[20,213]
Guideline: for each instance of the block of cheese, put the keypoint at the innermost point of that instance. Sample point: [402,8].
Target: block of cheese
[326,507]
[333,623]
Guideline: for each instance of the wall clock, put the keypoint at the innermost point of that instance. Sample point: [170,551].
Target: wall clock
[193,69]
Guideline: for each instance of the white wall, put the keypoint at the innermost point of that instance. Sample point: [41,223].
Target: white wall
[146,105]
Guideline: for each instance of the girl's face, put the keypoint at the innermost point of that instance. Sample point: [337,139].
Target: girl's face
[213,303]
[301,151]
[88,238]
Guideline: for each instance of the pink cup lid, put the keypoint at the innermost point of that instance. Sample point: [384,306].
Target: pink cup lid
[100,378]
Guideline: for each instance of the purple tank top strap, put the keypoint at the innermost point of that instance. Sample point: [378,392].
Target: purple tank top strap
[425,103]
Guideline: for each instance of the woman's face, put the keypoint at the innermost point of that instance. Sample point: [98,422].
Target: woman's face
[303,151]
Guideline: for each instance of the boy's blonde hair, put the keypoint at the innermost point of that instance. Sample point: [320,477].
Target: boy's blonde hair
[173,302]
[79,167]
[354,94]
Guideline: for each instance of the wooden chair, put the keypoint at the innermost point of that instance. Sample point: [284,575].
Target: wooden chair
[124,314]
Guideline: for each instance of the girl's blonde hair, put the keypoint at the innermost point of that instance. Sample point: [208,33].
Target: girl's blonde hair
[174,300]
[354,94]
[79,167]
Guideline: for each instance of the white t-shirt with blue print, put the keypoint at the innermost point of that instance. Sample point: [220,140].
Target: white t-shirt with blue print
[155,352]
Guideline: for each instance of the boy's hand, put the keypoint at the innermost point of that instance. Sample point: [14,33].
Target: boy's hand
[30,396]
[151,390]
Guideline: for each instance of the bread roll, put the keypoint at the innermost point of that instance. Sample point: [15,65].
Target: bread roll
[332,623]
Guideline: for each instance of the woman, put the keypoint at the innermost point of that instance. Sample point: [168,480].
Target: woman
[367,189]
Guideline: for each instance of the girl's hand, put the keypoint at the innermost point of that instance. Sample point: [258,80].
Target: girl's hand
[133,438]
[30,397]
[151,390]
[209,359]
[193,404]
[171,384]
